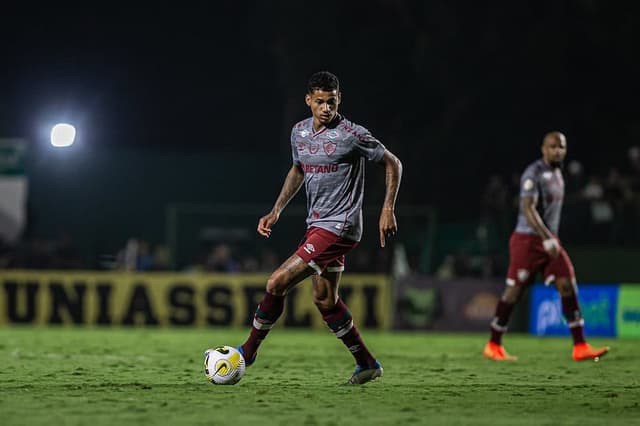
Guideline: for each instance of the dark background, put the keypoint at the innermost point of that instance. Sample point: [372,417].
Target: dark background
[459,91]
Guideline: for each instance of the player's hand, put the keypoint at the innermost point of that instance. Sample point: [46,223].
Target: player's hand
[266,222]
[551,246]
[388,225]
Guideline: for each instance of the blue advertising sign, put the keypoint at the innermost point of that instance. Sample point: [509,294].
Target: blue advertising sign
[598,303]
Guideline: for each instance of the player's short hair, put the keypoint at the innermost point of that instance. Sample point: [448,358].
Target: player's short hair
[323,80]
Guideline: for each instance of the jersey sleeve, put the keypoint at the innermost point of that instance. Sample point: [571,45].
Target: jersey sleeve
[529,183]
[294,149]
[366,145]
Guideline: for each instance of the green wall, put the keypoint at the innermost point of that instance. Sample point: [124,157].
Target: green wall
[102,197]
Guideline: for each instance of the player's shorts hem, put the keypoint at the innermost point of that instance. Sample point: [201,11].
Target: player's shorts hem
[335,268]
[313,265]
[552,278]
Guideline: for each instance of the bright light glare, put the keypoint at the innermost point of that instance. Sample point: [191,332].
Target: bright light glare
[62,135]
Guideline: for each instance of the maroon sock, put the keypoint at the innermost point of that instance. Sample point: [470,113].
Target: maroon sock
[341,323]
[269,310]
[571,311]
[500,321]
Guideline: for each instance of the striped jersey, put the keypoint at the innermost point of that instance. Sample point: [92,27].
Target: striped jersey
[333,161]
[546,185]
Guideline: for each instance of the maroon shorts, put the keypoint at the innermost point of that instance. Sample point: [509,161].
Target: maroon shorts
[322,250]
[527,256]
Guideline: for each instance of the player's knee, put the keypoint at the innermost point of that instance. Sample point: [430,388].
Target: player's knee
[510,295]
[324,302]
[565,287]
[277,283]
[509,299]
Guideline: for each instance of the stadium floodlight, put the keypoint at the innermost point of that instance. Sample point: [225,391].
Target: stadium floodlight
[62,135]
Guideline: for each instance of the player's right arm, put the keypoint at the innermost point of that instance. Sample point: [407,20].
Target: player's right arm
[291,186]
[529,195]
[550,243]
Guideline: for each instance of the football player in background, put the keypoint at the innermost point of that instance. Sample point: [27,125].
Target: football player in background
[534,246]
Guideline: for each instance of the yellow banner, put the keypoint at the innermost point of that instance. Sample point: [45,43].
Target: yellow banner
[172,299]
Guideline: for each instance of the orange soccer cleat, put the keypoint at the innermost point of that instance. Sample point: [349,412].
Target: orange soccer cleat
[584,351]
[497,353]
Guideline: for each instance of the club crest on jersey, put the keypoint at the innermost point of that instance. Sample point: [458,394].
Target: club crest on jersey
[313,148]
[528,185]
[333,134]
[523,274]
[330,147]
[304,133]
[309,248]
[547,175]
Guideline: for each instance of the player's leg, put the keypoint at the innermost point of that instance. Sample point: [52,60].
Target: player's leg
[290,273]
[337,316]
[509,298]
[571,308]
[523,263]
[494,349]
[560,271]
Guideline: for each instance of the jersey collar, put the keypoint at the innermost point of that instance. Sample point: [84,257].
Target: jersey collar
[331,125]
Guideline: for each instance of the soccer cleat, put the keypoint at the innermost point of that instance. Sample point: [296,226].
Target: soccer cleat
[584,351]
[363,375]
[497,353]
[247,362]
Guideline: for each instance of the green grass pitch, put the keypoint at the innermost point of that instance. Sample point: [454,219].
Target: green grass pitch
[75,376]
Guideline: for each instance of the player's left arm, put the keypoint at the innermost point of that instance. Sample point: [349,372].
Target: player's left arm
[388,225]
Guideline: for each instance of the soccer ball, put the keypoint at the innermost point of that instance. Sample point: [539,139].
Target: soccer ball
[223,365]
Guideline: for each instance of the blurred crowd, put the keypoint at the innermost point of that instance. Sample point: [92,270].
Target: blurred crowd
[136,254]
[140,255]
[599,208]
[41,253]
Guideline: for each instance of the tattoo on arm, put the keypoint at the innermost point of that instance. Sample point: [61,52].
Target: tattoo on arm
[393,175]
[291,186]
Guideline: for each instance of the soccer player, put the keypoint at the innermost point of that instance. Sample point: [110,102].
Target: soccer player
[534,246]
[329,154]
